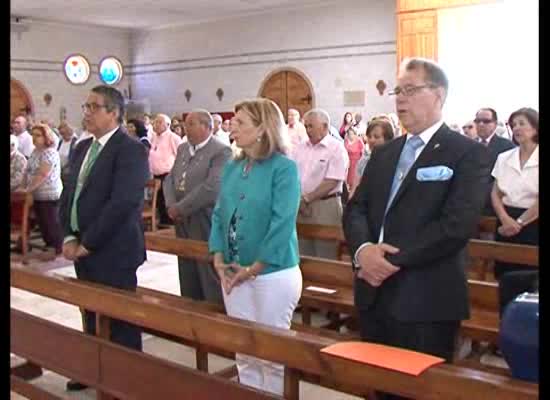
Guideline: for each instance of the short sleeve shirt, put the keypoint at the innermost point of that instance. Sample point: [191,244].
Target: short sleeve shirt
[52,187]
[519,186]
[327,159]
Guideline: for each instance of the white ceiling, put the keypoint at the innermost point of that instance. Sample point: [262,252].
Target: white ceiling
[142,14]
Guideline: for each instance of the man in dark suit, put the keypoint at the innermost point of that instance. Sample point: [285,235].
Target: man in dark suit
[101,207]
[486,125]
[409,222]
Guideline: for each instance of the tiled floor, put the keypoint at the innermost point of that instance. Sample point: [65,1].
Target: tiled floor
[159,272]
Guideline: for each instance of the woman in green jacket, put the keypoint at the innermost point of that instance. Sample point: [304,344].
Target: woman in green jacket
[253,234]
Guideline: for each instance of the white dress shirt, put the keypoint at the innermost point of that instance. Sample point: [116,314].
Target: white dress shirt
[520,186]
[102,141]
[223,136]
[26,146]
[426,136]
[194,149]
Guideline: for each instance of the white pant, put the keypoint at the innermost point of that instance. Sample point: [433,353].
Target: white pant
[269,299]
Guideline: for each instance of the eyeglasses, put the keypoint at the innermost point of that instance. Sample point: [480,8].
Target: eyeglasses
[92,107]
[409,90]
[483,120]
[468,127]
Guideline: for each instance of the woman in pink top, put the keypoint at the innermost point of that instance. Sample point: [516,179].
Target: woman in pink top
[346,124]
[355,147]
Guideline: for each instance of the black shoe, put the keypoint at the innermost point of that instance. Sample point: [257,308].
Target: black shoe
[74,386]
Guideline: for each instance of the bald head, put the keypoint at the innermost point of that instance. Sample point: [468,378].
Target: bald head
[217,118]
[198,125]
[19,125]
[293,116]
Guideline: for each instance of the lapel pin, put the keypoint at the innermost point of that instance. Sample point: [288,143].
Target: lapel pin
[436,146]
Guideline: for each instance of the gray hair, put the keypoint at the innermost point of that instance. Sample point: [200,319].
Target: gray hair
[217,117]
[434,73]
[166,119]
[205,117]
[321,114]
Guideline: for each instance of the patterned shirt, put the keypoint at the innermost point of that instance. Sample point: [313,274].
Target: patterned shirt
[18,164]
[232,240]
[51,188]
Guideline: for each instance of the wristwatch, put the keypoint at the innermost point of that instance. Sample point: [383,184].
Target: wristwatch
[520,221]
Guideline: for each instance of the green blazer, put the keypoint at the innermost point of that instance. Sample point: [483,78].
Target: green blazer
[266,203]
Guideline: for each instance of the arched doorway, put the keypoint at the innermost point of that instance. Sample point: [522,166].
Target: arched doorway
[20,99]
[289,88]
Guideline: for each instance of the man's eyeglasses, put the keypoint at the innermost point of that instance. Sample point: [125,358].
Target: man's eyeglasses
[468,127]
[91,107]
[409,90]
[483,121]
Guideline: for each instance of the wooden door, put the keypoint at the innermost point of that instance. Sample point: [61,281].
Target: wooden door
[20,102]
[289,90]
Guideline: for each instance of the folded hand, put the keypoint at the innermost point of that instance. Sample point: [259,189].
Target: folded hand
[375,269]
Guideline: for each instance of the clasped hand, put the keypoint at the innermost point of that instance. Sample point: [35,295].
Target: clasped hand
[509,227]
[73,250]
[231,275]
[375,269]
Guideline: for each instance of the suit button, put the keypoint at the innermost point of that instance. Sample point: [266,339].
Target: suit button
[240,218]
[242,196]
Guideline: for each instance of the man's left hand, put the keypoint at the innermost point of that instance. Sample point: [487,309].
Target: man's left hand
[375,269]
[81,251]
[173,213]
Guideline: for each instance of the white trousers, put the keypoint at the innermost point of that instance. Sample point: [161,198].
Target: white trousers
[269,299]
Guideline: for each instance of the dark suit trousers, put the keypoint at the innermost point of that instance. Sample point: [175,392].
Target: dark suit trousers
[123,333]
[164,219]
[437,338]
[48,221]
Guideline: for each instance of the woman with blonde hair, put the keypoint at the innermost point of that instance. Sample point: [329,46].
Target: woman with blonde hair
[253,234]
[43,180]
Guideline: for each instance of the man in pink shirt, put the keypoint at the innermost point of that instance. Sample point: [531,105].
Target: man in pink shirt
[296,130]
[322,164]
[164,147]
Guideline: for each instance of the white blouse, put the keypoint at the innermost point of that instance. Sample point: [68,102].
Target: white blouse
[519,186]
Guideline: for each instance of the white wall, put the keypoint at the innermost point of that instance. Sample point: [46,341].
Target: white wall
[37,58]
[345,47]
[491,55]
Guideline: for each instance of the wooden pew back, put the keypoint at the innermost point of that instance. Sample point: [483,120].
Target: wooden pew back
[298,351]
[113,369]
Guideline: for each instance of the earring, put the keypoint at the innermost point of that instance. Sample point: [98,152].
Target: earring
[259,139]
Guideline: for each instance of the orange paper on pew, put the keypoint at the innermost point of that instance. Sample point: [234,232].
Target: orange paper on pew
[406,361]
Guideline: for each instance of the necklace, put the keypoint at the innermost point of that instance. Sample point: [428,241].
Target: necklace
[246,169]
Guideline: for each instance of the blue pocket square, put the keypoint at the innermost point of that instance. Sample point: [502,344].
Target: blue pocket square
[436,173]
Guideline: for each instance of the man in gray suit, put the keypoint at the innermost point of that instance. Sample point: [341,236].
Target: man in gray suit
[191,189]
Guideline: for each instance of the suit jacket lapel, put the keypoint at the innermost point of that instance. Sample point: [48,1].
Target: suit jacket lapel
[428,153]
[102,156]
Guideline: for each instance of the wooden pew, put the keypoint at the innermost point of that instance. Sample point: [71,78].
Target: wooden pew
[484,253]
[486,225]
[300,352]
[112,369]
[149,213]
[21,202]
[338,276]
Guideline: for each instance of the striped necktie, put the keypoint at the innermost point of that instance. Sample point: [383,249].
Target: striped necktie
[84,172]
[406,160]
